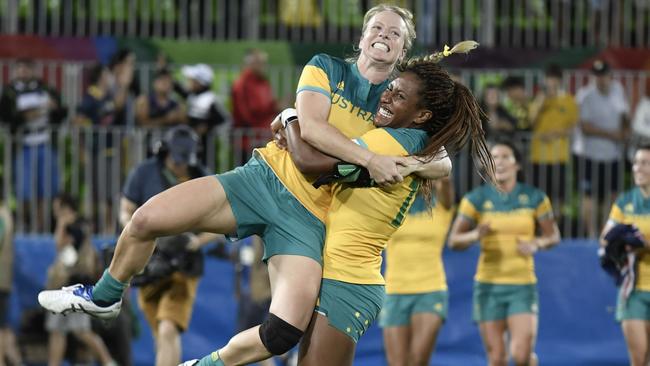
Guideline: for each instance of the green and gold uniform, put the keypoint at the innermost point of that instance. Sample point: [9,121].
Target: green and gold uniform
[632,208]
[270,197]
[415,273]
[359,224]
[505,279]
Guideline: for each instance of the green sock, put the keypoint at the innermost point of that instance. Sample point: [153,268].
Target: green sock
[108,290]
[212,359]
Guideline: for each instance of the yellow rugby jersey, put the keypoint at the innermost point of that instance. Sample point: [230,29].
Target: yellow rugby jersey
[414,253]
[354,102]
[632,208]
[360,221]
[511,216]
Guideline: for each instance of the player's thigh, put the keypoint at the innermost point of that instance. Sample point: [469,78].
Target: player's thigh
[492,334]
[396,343]
[199,204]
[325,345]
[636,338]
[523,331]
[295,283]
[424,332]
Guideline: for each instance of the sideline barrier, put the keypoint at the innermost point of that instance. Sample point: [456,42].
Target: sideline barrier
[576,323]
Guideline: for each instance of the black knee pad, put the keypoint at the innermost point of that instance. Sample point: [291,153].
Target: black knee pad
[279,336]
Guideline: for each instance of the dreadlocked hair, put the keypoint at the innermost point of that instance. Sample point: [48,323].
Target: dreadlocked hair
[460,47]
[456,115]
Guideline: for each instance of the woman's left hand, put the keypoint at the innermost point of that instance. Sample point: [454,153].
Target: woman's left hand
[527,247]
[279,133]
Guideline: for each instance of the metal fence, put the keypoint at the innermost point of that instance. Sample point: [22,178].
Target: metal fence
[92,164]
[503,23]
[69,78]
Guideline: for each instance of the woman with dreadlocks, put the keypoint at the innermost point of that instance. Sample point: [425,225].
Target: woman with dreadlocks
[421,112]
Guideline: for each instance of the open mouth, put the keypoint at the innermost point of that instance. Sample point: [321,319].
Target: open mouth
[381,46]
[385,112]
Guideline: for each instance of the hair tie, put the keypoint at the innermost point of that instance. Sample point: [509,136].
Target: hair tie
[445,51]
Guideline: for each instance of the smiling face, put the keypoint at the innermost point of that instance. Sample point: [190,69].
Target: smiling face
[398,105]
[384,37]
[505,163]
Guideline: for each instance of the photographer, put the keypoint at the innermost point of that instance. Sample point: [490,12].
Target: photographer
[169,282]
[76,262]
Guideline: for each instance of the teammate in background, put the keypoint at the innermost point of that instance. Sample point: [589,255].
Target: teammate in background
[416,287]
[505,219]
[633,207]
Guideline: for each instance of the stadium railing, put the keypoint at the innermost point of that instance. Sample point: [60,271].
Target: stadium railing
[502,23]
[84,172]
[69,79]
[93,162]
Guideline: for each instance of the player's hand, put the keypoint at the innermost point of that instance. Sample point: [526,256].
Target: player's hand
[406,167]
[280,139]
[65,218]
[527,247]
[279,134]
[383,170]
[276,124]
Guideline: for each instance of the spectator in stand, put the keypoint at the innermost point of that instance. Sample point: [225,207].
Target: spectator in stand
[123,85]
[99,108]
[98,105]
[517,102]
[253,103]
[598,145]
[500,122]
[76,262]
[158,108]
[31,108]
[641,120]
[204,109]
[554,114]
[8,348]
